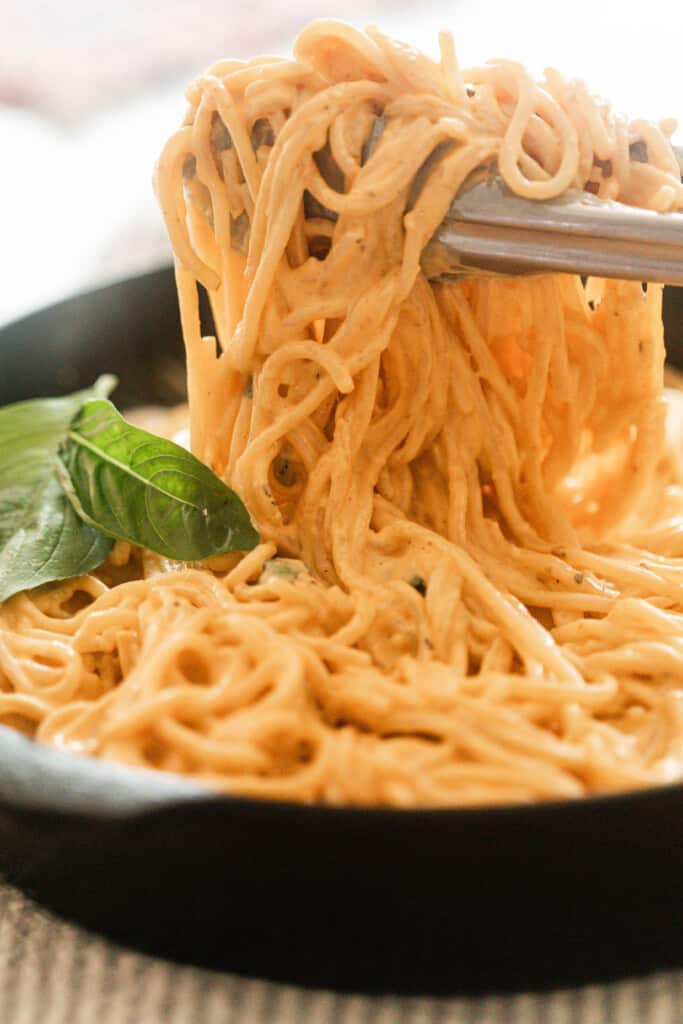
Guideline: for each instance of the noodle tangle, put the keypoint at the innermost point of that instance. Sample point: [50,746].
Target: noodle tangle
[470,494]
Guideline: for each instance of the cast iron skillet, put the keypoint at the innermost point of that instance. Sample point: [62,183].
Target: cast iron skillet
[412,901]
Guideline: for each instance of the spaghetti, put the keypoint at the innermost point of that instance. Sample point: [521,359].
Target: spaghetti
[470,494]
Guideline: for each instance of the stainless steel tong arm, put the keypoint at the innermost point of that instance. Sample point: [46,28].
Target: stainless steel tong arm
[489,229]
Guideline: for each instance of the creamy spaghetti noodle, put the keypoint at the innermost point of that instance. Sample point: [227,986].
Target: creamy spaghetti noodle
[470,494]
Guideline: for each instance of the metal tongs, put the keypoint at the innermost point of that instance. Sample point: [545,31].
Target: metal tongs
[490,230]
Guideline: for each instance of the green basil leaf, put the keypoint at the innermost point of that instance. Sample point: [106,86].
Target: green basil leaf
[52,543]
[41,537]
[147,490]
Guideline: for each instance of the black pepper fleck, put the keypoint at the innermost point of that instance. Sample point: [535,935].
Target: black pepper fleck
[419,584]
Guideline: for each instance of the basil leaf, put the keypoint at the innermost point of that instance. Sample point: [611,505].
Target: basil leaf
[52,543]
[147,490]
[41,537]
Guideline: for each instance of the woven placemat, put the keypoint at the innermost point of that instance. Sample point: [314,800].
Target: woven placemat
[54,973]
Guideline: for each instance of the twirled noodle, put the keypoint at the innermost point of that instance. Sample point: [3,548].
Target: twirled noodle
[470,494]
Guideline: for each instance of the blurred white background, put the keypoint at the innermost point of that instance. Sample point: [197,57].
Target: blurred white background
[89,90]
